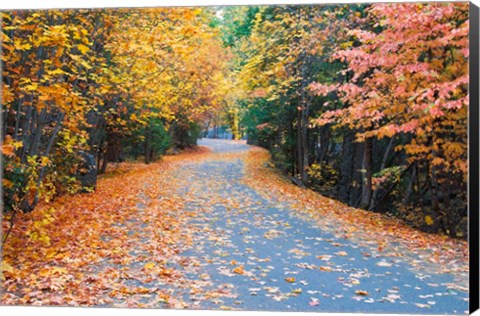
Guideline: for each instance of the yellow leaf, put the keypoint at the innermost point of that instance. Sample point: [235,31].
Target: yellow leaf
[44,160]
[46,240]
[149,265]
[428,220]
[6,267]
[59,270]
[83,49]
[32,87]
[22,46]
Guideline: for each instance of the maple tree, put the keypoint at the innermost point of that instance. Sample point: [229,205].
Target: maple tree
[409,81]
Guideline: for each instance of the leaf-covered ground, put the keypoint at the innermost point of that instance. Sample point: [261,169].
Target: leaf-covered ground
[217,228]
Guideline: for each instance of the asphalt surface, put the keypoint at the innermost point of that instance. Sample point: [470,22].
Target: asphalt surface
[253,252]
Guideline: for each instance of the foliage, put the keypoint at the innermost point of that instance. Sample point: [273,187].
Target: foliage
[101,82]
[323,178]
[409,76]
[367,88]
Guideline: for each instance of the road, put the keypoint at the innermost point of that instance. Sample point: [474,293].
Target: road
[252,252]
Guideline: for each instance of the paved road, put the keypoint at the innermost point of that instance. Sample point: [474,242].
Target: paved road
[254,253]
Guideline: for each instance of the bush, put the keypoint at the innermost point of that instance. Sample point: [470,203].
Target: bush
[185,134]
[323,178]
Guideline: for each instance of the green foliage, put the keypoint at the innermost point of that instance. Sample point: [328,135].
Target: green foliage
[161,139]
[323,178]
[13,184]
[237,23]
[185,133]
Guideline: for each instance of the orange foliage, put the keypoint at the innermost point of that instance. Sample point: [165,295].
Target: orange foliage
[51,253]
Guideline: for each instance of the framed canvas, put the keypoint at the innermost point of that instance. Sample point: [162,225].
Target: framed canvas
[230,157]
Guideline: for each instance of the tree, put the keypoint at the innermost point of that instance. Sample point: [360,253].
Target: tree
[409,79]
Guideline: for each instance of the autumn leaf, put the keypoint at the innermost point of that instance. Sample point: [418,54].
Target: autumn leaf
[165,272]
[239,270]
[149,265]
[384,264]
[422,305]
[314,302]
[83,49]
[429,220]
[6,267]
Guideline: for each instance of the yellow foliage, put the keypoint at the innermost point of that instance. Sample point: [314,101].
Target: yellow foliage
[428,220]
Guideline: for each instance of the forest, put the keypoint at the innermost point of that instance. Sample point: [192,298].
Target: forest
[366,104]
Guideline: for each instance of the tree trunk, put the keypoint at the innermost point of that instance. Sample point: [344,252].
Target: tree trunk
[205,135]
[382,166]
[431,183]
[355,195]
[148,146]
[324,141]
[366,174]
[25,205]
[450,215]
[104,163]
[305,152]
[235,130]
[346,167]
[300,148]
[411,185]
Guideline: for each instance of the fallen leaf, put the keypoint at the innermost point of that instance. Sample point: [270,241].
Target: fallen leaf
[149,265]
[6,267]
[422,305]
[384,264]
[239,270]
[314,302]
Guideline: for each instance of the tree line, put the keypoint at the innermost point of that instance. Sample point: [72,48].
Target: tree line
[102,85]
[364,103]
